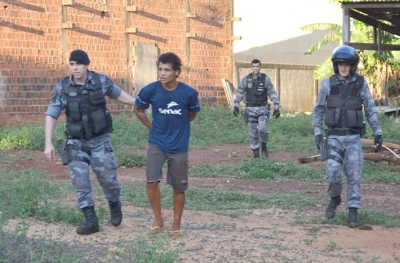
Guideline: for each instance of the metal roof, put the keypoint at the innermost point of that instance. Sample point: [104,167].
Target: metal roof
[382,15]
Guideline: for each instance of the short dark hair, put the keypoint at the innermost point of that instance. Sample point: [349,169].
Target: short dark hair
[255,61]
[170,58]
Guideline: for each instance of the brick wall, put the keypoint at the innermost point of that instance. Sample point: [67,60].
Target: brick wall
[37,36]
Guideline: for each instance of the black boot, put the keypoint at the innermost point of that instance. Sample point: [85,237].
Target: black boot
[331,208]
[116,212]
[91,225]
[256,153]
[264,150]
[353,218]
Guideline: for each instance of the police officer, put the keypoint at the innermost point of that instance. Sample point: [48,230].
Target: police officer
[342,101]
[257,87]
[88,128]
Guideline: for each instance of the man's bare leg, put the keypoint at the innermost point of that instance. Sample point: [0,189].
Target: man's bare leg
[179,203]
[153,193]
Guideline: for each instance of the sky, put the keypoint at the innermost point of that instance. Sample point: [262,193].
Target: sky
[269,21]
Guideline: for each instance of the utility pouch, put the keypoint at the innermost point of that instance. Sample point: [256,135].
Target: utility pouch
[99,121]
[75,130]
[86,126]
[62,150]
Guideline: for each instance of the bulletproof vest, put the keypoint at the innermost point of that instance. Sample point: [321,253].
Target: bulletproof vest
[344,105]
[256,93]
[87,115]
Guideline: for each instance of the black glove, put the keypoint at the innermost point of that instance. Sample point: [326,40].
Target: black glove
[276,114]
[318,140]
[235,111]
[378,141]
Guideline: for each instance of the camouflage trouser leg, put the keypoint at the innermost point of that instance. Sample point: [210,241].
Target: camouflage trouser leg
[104,164]
[79,173]
[263,128]
[258,125]
[97,152]
[345,150]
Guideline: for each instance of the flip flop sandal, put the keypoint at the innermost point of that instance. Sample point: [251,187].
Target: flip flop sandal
[155,230]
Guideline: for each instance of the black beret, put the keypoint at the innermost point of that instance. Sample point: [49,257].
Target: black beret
[79,56]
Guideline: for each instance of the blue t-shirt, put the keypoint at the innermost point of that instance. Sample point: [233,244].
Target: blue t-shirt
[170,112]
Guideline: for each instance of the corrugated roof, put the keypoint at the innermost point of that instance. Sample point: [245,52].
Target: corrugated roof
[376,13]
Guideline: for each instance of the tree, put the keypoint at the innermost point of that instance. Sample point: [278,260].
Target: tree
[381,69]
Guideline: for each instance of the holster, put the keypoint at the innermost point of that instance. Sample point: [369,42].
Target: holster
[62,150]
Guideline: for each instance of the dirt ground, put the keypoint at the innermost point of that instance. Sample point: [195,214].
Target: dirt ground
[260,235]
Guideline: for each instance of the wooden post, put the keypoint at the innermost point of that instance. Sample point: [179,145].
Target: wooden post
[346,26]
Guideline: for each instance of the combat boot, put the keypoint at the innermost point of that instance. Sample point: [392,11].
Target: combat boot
[91,225]
[353,218]
[256,153]
[116,212]
[264,150]
[331,208]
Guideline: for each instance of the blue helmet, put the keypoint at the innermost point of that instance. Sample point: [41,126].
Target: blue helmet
[345,54]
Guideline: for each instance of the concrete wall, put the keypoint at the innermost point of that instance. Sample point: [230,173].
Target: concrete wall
[37,36]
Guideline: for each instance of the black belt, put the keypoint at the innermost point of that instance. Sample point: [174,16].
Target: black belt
[343,132]
[249,104]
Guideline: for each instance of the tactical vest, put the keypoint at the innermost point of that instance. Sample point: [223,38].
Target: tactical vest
[256,93]
[87,115]
[344,105]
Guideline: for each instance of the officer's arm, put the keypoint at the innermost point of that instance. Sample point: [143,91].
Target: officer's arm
[273,96]
[141,114]
[370,110]
[49,127]
[125,98]
[240,93]
[319,108]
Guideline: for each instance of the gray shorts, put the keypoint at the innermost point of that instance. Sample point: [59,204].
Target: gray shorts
[177,167]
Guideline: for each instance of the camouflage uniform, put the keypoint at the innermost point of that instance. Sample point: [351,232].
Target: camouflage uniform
[99,153]
[257,116]
[343,145]
[96,151]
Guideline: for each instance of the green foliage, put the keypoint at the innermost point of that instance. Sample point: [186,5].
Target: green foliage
[372,61]
[217,126]
[220,201]
[144,250]
[128,131]
[29,194]
[130,157]
[21,137]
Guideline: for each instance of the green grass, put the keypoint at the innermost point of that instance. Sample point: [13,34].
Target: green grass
[220,201]
[254,169]
[30,193]
[212,126]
